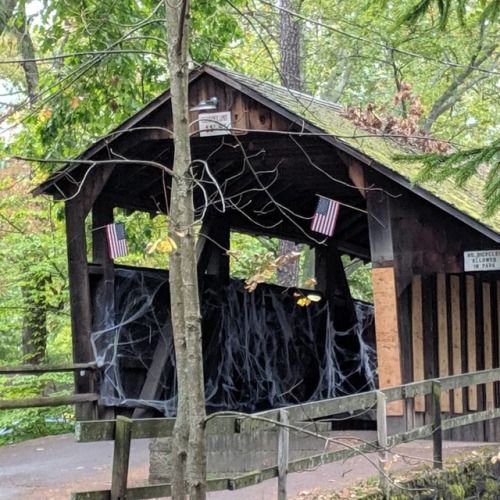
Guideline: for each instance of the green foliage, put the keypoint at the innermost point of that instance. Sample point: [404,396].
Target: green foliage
[33,276]
[462,166]
[490,10]
[28,423]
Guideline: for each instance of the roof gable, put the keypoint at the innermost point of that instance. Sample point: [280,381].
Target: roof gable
[311,116]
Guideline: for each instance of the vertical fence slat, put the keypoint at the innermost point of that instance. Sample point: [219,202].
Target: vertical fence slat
[382,439]
[283,440]
[121,456]
[437,431]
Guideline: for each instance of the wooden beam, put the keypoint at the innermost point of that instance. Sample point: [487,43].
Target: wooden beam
[387,333]
[471,338]
[488,345]
[212,246]
[151,388]
[380,228]
[332,281]
[79,289]
[443,351]
[417,331]
[456,335]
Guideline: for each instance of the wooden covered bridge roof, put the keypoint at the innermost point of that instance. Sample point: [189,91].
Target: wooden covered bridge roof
[284,149]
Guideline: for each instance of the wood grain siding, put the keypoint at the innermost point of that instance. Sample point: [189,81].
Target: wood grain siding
[387,334]
[488,346]
[471,339]
[456,346]
[417,338]
[443,345]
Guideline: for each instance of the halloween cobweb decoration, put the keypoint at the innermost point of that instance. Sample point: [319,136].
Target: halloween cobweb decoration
[261,350]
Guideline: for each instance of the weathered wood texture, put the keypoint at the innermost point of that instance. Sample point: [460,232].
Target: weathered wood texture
[387,334]
[46,401]
[418,339]
[34,369]
[121,458]
[383,442]
[80,301]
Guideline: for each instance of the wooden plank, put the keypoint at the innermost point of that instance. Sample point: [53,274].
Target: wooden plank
[443,353]
[46,401]
[79,291]
[36,369]
[471,338]
[151,388]
[283,442]
[121,458]
[382,441]
[458,406]
[488,345]
[437,431]
[387,332]
[470,418]
[417,338]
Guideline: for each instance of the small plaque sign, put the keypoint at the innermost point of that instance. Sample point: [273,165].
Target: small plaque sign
[482,260]
[215,123]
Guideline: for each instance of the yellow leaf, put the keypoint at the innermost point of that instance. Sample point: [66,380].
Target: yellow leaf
[310,282]
[164,246]
[303,302]
[151,247]
[45,114]
[173,244]
[313,297]
[250,287]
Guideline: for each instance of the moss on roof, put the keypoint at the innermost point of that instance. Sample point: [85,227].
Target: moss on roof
[327,116]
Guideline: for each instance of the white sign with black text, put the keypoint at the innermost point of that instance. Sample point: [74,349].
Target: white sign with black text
[215,123]
[482,260]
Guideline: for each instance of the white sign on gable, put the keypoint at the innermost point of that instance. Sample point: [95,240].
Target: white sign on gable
[482,260]
[215,123]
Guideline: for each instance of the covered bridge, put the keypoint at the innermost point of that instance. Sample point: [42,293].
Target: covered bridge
[266,154]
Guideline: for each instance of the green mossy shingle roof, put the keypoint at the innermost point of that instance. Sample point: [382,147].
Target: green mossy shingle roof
[382,149]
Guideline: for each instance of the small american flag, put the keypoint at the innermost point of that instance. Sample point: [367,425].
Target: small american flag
[325,217]
[117,240]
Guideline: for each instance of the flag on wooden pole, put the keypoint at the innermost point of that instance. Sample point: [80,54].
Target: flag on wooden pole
[117,240]
[325,217]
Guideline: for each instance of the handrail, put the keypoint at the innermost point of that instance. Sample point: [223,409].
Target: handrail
[34,369]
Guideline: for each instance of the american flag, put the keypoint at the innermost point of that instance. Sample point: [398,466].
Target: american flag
[325,217]
[117,240]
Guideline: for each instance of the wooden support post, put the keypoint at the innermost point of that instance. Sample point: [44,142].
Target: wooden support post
[385,294]
[418,339]
[213,242]
[437,431]
[121,457]
[79,288]
[332,282]
[283,440]
[456,335]
[382,440]
[443,350]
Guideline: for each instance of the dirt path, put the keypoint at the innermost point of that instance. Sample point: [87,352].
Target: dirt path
[51,468]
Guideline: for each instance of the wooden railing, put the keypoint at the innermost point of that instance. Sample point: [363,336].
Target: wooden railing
[123,430]
[42,401]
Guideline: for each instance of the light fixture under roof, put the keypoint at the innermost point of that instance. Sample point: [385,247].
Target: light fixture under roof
[207,105]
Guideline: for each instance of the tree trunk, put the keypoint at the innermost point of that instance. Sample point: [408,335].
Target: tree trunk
[189,454]
[290,74]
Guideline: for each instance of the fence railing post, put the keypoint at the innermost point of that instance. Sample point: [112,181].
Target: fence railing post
[382,440]
[283,440]
[437,431]
[121,456]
